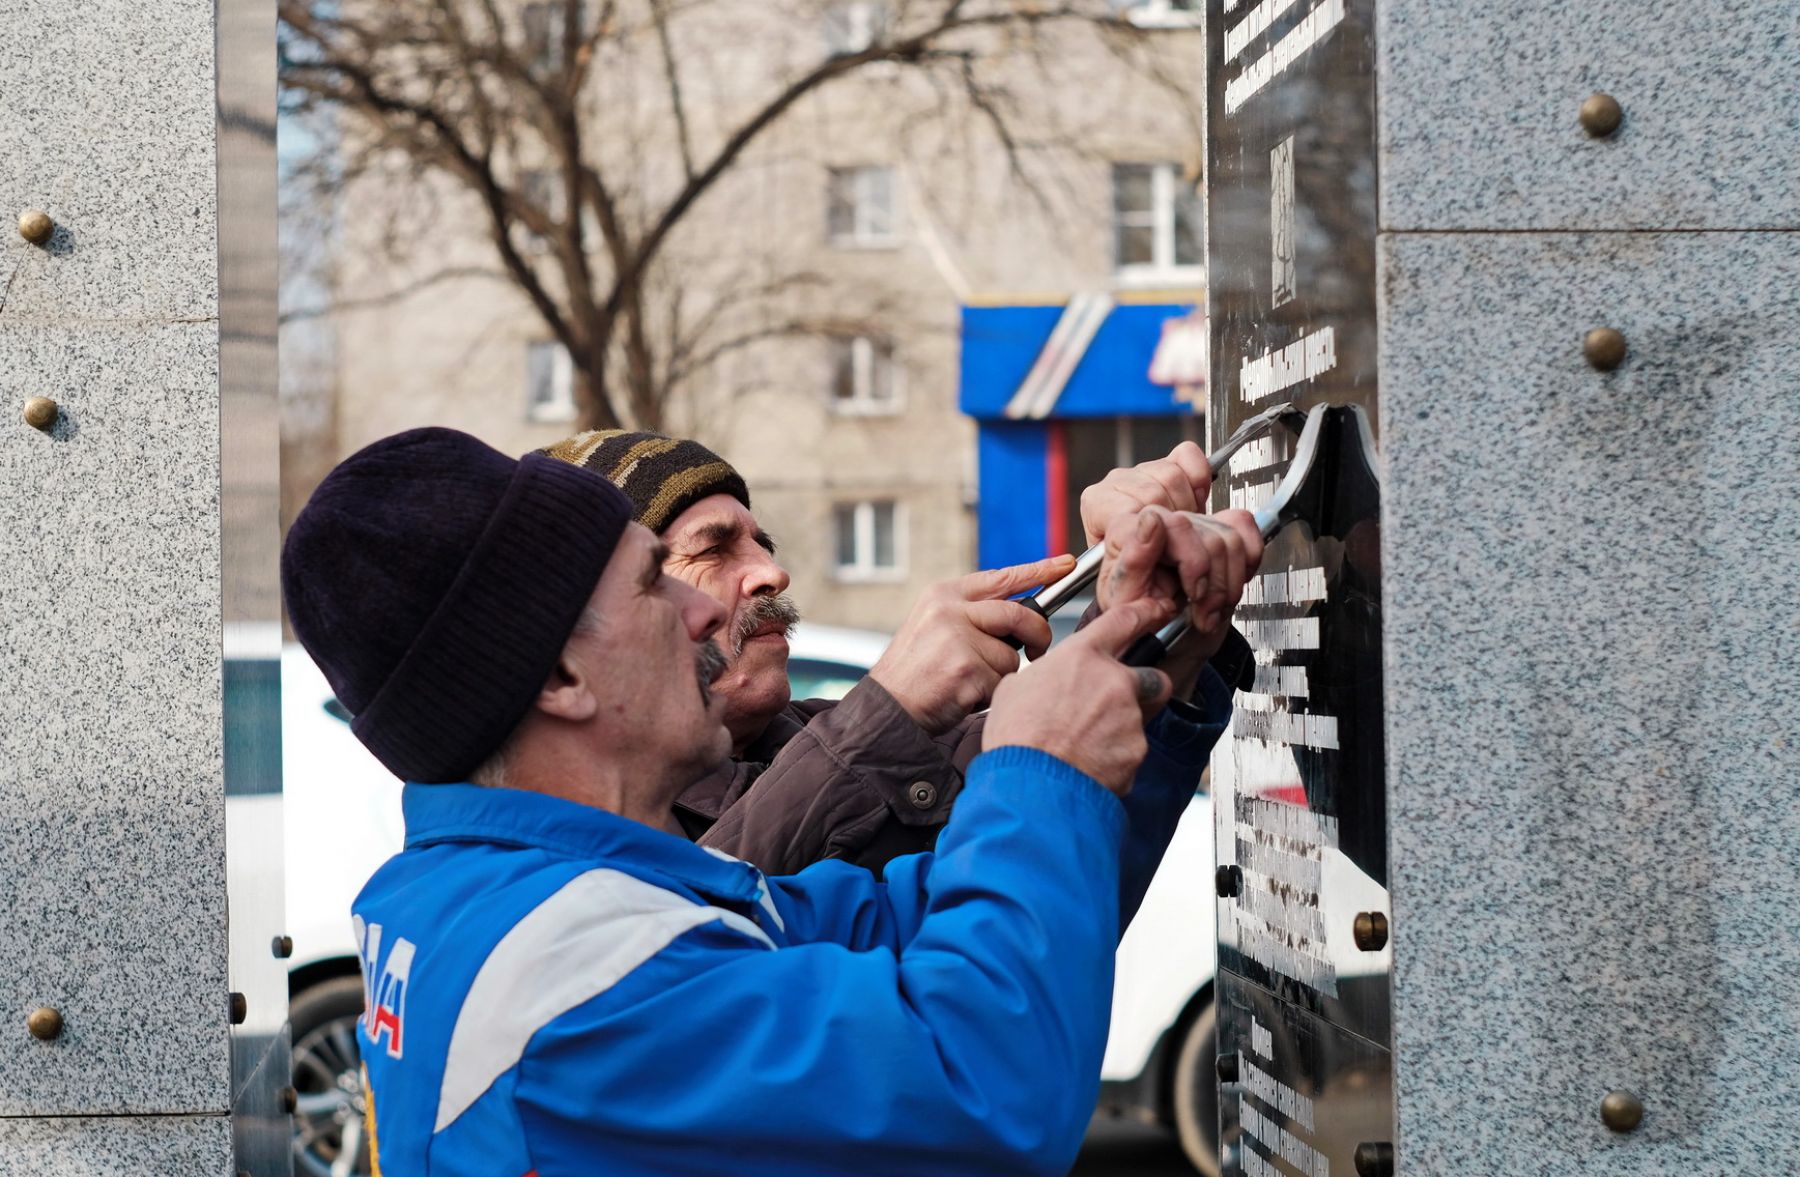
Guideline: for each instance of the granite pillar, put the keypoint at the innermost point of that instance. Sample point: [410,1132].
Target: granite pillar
[113,833]
[1593,583]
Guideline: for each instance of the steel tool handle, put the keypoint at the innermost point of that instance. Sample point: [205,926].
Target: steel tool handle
[1154,647]
[1234,660]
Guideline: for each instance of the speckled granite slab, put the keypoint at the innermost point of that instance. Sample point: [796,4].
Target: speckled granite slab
[111,799]
[112,874]
[108,127]
[1479,106]
[1593,653]
[164,1146]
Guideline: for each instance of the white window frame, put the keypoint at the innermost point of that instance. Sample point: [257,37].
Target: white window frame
[862,235]
[1165,181]
[866,359]
[851,26]
[559,407]
[865,570]
[1162,14]
[546,58]
[551,182]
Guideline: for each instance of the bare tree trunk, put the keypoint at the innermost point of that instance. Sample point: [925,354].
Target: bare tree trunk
[642,391]
[594,405]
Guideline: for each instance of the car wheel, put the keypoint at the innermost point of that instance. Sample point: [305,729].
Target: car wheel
[329,1138]
[1196,1092]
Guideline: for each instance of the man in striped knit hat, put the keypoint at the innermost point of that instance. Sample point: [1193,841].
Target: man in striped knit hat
[872,776]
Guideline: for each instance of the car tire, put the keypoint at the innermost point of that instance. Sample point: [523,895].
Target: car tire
[329,1136]
[1195,1092]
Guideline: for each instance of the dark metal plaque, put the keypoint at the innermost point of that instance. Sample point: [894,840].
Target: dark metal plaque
[1305,953]
[1302,1096]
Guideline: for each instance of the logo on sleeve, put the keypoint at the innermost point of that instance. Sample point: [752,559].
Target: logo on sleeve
[385,983]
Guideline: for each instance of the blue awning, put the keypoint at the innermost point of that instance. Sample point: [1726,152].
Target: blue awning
[1090,358]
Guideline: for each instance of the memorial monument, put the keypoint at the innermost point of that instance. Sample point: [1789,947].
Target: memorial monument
[143,1005]
[1506,828]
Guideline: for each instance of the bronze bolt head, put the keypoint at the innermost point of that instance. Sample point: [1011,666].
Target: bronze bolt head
[1374,1158]
[1601,115]
[44,1023]
[1604,348]
[41,413]
[1621,1111]
[1370,931]
[36,226]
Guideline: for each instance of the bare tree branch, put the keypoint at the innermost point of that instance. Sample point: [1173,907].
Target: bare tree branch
[388,297]
[683,137]
[565,136]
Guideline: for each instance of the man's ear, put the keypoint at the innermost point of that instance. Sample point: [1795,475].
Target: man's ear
[567,695]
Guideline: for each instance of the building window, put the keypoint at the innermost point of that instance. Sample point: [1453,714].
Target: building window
[1094,446]
[864,376]
[1161,14]
[854,25]
[867,540]
[543,48]
[860,206]
[550,383]
[542,188]
[1156,223]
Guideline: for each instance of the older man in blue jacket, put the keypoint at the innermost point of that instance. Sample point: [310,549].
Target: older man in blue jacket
[559,983]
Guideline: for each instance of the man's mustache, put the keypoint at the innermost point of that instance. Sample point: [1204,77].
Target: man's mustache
[761,612]
[709,664]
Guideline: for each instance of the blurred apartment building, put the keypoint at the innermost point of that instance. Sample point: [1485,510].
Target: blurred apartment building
[947,338]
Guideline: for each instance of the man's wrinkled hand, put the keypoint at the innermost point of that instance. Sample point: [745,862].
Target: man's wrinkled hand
[1196,562]
[951,651]
[1179,482]
[1081,704]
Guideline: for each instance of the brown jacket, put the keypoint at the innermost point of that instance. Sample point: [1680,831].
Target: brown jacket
[853,779]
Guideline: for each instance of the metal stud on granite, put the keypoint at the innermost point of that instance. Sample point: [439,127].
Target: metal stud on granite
[41,413]
[36,226]
[1604,348]
[45,1023]
[1601,115]
[1621,1111]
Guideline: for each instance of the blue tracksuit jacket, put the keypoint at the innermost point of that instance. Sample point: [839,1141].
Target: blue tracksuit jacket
[556,990]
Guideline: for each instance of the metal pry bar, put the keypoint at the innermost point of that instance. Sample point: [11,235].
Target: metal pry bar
[1282,506]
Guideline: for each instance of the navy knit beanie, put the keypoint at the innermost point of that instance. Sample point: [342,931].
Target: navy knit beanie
[435,581]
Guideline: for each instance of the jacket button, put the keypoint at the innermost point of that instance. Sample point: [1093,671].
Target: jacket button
[923,795]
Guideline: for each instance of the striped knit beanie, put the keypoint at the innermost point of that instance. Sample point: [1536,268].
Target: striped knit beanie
[662,476]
